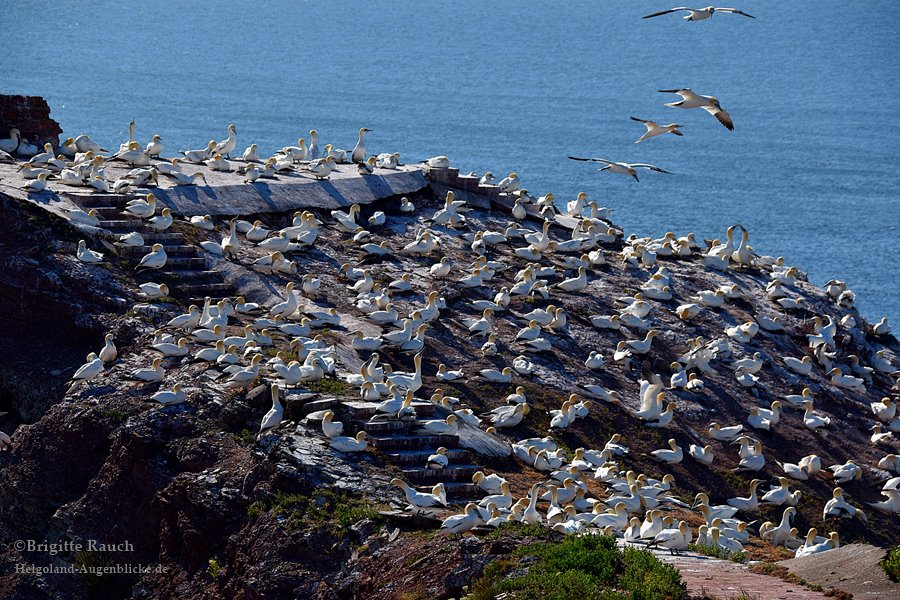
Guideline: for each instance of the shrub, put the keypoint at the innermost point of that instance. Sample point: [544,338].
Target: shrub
[583,567]
[214,568]
[891,564]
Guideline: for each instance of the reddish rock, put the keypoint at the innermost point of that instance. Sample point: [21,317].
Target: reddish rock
[31,116]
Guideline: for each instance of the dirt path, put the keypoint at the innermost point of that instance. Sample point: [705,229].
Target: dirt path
[728,580]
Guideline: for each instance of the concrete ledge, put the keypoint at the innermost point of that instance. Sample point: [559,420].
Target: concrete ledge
[343,188]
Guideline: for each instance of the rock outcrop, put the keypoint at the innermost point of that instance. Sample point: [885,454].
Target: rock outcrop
[31,116]
[216,511]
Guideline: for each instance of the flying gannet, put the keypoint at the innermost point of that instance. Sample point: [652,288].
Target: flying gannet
[621,167]
[654,129]
[699,14]
[710,104]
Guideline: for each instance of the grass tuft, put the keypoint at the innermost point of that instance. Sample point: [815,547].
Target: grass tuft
[718,552]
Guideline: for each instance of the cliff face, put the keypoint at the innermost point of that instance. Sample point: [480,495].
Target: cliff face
[31,116]
[221,514]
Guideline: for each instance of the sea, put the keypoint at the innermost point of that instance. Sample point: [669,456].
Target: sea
[812,168]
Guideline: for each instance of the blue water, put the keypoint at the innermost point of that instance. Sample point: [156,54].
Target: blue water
[812,169]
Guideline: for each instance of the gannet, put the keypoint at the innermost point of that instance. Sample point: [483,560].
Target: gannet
[37,185]
[321,167]
[11,143]
[672,456]
[710,104]
[169,397]
[155,259]
[510,183]
[343,443]
[86,255]
[621,167]
[654,129]
[699,14]
[108,353]
[703,455]
[751,502]
[837,506]
[90,369]
[359,151]
[198,156]
[154,290]
[673,539]
[152,373]
[154,147]
[227,145]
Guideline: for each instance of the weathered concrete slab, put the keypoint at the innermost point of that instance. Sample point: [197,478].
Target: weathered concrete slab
[227,195]
[290,192]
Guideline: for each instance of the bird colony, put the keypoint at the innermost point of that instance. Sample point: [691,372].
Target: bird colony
[517,288]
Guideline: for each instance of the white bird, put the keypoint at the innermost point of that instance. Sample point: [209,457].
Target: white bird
[420,499]
[152,373]
[227,145]
[155,259]
[622,168]
[710,104]
[654,129]
[154,290]
[343,443]
[672,456]
[37,185]
[359,151]
[89,370]
[169,397]
[86,255]
[470,517]
[699,14]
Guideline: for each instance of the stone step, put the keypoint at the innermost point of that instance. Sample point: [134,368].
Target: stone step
[319,406]
[112,212]
[385,427]
[361,411]
[418,457]
[185,276]
[183,250]
[452,473]
[123,225]
[88,201]
[197,292]
[456,490]
[413,442]
[164,238]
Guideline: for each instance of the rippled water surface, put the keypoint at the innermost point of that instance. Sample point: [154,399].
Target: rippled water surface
[813,87]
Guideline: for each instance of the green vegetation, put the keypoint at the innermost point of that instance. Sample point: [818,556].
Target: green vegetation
[891,564]
[718,552]
[113,414]
[329,385]
[333,509]
[214,568]
[780,572]
[245,437]
[583,567]
[525,529]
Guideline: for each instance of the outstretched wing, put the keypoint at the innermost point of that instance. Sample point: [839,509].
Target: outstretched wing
[599,160]
[734,11]
[640,120]
[651,167]
[665,12]
[721,116]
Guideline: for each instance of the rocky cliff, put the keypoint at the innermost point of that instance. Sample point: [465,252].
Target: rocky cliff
[214,511]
